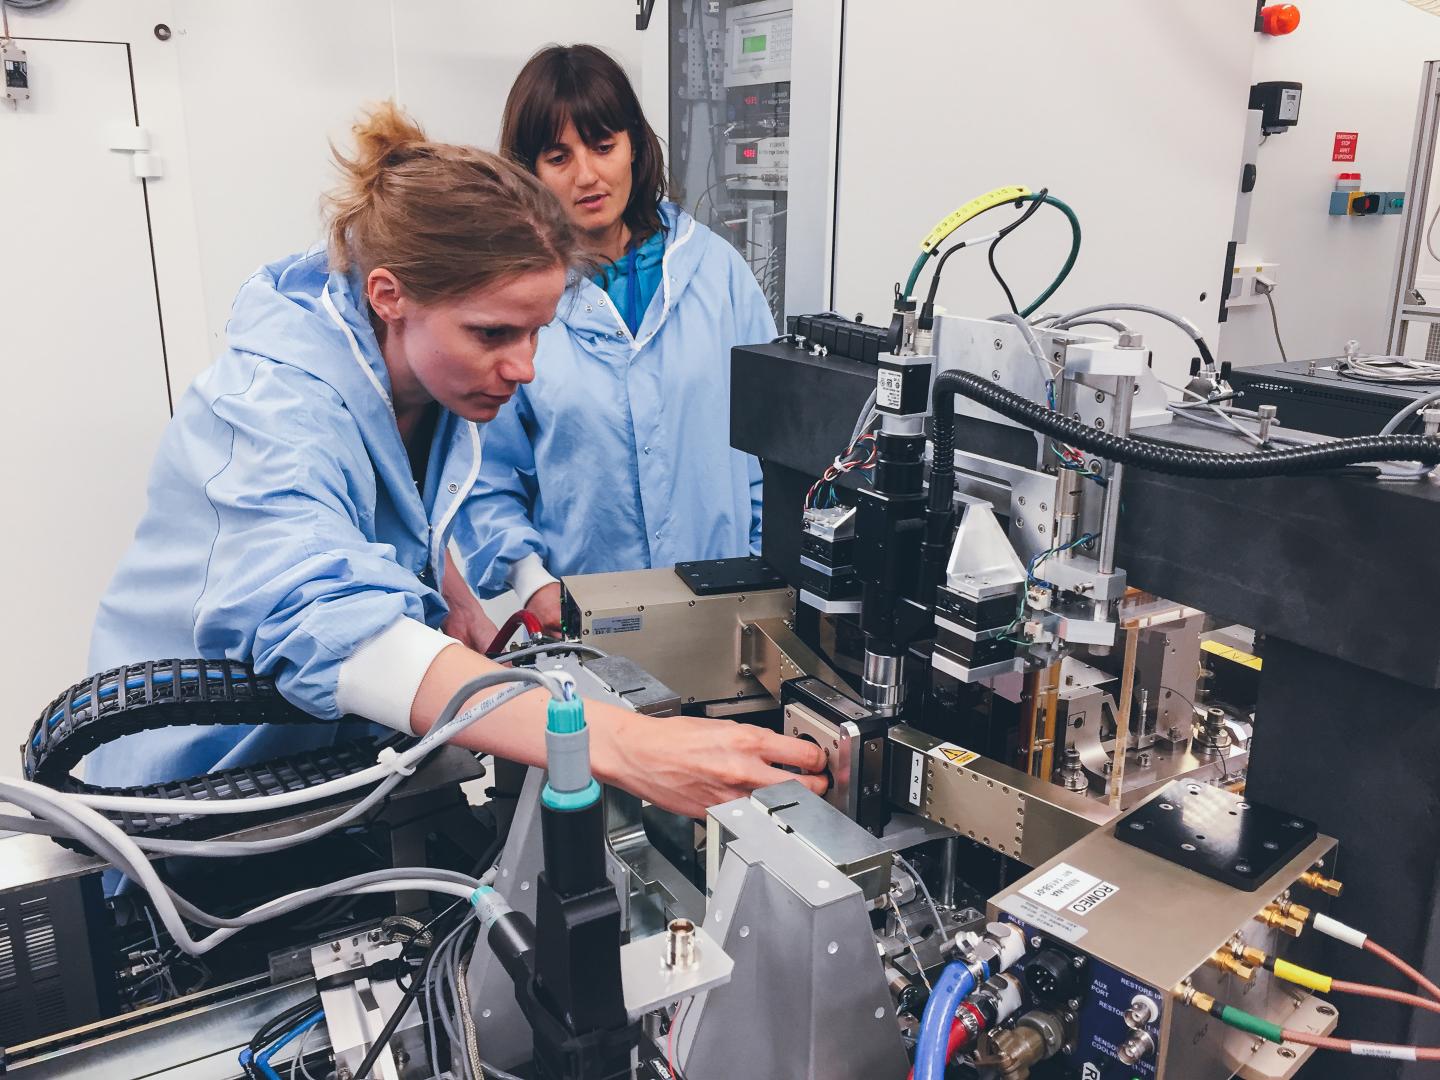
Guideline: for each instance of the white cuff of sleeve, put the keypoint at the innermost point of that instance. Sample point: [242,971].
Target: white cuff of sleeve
[529,576]
[380,679]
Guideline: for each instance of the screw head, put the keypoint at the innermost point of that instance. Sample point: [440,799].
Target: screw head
[163,32]
[995,374]
[999,344]
[1100,422]
[1099,395]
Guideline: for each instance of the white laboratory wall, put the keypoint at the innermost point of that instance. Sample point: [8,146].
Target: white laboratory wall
[1131,111]
[1360,61]
[239,102]
[268,84]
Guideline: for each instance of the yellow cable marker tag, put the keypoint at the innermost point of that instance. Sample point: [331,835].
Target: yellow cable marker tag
[957,217]
[1294,973]
[1225,652]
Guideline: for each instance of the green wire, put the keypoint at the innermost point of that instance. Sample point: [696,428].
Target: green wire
[1059,278]
[915,274]
[1238,1018]
[1070,259]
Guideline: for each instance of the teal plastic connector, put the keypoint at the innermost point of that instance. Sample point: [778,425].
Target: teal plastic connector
[566,717]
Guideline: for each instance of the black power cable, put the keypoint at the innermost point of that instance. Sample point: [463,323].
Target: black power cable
[1153,456]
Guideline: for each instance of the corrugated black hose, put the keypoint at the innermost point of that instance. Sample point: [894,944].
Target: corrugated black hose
[1156,457]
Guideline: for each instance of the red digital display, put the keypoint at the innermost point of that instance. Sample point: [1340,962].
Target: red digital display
[753,99]
[748,153]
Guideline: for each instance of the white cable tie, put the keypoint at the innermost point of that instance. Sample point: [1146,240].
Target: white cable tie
[390,759]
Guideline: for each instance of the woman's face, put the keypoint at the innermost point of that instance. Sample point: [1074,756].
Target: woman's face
[592,182]
[469,353]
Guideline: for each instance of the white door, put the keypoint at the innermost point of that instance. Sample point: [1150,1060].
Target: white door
[85,396]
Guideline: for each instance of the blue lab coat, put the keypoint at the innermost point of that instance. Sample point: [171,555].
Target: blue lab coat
[618,456]
[284,527]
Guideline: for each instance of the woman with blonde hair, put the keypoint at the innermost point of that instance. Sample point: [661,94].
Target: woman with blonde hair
[304,494]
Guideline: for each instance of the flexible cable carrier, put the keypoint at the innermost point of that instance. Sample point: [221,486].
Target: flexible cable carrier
[174,693]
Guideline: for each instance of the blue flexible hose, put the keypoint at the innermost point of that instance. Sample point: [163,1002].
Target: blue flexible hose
[955,984]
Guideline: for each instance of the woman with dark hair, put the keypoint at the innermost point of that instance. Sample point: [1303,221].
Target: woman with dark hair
[617,456]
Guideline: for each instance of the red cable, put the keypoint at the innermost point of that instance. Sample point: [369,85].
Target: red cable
[1384,993]
[1401,966]
[1346,1046]
[524,616]
[959,1035]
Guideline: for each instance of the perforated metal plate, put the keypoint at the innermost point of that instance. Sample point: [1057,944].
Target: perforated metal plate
[1216,833]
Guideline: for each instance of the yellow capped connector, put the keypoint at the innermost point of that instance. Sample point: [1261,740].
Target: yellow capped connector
[1313,879]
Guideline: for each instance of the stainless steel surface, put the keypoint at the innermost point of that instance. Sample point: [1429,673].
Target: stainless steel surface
[650,983]
[956,670]
[1124,397]
[842,746]
[842,844]
[690,643]
[1203,913]
[1407,304]
[808,999]
[195,1039]
[882,685]
[983,564]
[1001,807]
[1272,1061]
[775,654]
[355,1013]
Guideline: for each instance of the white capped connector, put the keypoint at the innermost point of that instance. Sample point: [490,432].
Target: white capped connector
[1006,993]
[1010,942]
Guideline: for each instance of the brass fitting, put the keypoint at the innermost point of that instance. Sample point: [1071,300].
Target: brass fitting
[1313,879]
[1292,910]
[1227,961]
[1195,999]
[1253,956]
[1275,917]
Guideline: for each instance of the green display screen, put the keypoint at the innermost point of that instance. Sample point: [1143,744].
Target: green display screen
[753,44]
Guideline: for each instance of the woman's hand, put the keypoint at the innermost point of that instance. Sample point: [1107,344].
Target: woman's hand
[687,764]
[544,604]
[467,622]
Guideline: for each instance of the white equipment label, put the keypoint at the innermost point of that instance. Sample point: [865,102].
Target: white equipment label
[917,776]
[1066,888]
[1032,914]
[887,389]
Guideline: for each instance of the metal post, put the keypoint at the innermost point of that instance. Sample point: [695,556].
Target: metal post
[1124,405]
[1417,201]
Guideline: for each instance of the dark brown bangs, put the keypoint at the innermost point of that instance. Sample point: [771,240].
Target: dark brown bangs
[580,83]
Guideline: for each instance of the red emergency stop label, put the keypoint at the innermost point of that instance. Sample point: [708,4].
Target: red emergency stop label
[1345,145]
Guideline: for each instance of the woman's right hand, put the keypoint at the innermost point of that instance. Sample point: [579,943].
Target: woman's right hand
[687,764]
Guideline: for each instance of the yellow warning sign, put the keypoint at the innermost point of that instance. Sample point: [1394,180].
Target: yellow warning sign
[1225,652]
[956,755]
